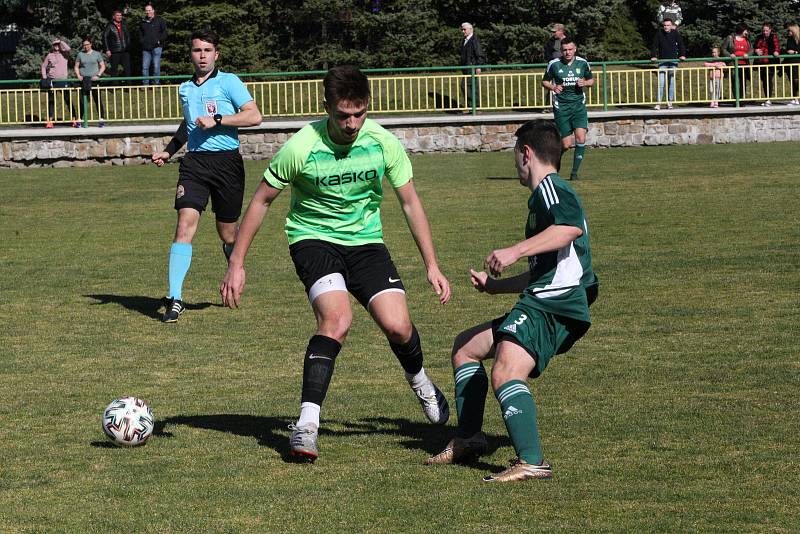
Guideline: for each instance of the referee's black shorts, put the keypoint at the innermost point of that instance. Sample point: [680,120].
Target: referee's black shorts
[219,175]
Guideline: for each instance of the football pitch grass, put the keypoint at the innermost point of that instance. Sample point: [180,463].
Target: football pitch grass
[677,412]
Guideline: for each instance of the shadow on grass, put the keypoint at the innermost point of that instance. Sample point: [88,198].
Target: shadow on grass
[273,432]
[502,178]
[104,445]
[147,306]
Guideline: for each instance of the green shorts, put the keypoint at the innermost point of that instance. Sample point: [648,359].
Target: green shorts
[568,117]
[541,333]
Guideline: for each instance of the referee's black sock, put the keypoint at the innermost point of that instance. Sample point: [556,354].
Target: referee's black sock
[410,353]
[318,368]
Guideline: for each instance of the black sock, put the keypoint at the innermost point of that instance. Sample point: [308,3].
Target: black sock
[318,368]
[409,354]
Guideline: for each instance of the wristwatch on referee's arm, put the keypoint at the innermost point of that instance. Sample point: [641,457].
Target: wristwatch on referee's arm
[218,119]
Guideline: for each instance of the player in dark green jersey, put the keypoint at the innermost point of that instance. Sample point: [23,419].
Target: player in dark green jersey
[551,313]
[566,77]
[335,169]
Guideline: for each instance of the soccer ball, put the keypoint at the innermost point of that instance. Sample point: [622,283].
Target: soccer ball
[128,421]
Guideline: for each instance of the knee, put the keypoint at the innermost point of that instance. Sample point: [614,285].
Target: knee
[397,331]
[506,367]
[336,327]
[501,373]
[461,353]
[184,231]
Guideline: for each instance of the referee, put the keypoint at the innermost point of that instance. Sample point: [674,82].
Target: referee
[215,104]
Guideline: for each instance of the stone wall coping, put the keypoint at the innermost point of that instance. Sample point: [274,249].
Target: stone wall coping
[291,125]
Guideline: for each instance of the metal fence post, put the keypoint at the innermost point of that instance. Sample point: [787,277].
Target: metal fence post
[605,87]
[473,91]
[84,116]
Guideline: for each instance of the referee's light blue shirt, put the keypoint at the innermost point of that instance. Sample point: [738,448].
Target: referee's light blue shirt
[222,93]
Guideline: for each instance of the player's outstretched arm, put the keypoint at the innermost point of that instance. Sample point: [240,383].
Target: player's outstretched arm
[232,284]
[552,238]
[493,286]
[421,231]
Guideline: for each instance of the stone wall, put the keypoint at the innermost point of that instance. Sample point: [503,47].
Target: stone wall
[484,133]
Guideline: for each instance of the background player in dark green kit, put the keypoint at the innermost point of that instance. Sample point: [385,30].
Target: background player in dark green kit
[335,168]
[566,77]
[551,314]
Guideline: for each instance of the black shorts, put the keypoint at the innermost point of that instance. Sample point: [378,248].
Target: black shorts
[219,175]
[367,269]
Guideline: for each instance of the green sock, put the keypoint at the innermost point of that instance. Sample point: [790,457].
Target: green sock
[577,159]
[519,414]
[471,387]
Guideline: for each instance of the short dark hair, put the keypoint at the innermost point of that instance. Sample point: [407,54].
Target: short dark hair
[345,82]
[86,38]
[741,28]
[543,138]
[205,34]
[568,40]
[767,25]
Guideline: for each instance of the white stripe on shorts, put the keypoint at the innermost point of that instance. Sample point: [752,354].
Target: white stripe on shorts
[329,282]
[390,290]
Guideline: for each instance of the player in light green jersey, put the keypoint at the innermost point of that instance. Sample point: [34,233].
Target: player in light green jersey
[566,77]
[335,169]
[550,315]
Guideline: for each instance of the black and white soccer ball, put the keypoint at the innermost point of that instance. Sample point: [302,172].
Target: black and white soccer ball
[128,421]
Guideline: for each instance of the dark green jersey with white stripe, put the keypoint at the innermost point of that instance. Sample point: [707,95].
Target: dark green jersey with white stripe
[568,76]
[554,275]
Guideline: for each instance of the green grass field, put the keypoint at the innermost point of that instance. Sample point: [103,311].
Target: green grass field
[679,411]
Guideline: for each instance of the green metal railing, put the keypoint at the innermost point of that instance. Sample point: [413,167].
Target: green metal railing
[618,84]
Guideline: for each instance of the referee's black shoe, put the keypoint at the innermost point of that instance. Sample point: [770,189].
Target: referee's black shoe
[175,308]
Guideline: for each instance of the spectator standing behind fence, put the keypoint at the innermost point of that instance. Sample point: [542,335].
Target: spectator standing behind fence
[669,10]
[551,51]
[737,45]
[471,54]
[117,43]
[89,67]
[793,49]
[54,75]
[667,44]
[153,35]
[769,48]
[716,73]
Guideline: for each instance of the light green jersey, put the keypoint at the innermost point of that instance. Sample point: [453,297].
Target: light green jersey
[568,76]
[337,190]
